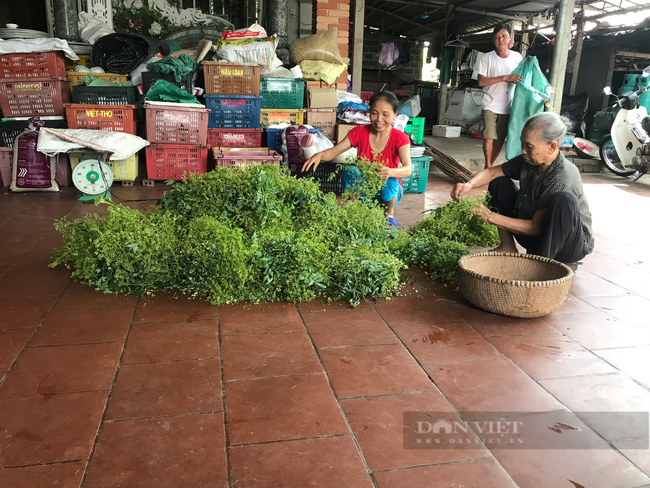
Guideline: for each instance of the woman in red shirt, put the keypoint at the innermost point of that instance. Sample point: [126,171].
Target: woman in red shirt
[376,142]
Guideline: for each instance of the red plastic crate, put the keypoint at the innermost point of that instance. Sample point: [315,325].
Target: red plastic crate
[235,137]
[177,125]
[233,159]
[119,118]
[17,66]
[175,162]
[44,96]
[366,95]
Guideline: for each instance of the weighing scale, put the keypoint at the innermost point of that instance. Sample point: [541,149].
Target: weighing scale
[93,179]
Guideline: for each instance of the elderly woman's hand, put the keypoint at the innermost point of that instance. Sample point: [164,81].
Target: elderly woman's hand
[460,190]
[482,213]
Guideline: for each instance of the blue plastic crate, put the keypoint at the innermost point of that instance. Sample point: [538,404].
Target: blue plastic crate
[234,111]
[274,138]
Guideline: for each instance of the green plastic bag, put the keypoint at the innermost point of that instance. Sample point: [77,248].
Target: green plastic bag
[178,67]
[530,94]
[164,91]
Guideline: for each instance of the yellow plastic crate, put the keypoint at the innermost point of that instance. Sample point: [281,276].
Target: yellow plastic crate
[272,116]
[124,170]
[79,78]
[84,60]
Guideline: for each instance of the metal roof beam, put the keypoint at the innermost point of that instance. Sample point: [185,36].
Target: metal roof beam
[488,13]
[403,19]
[618,12]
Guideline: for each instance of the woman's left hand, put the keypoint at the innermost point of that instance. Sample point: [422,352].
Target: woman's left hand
[384,172]
[482,213]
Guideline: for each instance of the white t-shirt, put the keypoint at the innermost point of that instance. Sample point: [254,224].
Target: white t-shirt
[498,97]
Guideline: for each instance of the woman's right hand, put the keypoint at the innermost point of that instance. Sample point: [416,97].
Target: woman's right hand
[312,163]
[460,190]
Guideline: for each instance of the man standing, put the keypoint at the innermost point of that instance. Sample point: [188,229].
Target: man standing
[498,82]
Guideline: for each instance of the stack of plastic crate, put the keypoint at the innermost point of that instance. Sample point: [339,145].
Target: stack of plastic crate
[178,135]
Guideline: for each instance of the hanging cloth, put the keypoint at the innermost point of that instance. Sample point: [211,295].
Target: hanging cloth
[405,53]
[389,53]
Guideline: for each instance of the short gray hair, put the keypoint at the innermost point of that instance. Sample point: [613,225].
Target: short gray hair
[553,127]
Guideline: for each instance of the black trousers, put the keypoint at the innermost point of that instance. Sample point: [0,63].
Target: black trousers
[561,236]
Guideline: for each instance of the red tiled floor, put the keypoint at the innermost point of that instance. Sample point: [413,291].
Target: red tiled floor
[632,310]
[471,474]
[322,305]
[378,423]
[574,305]
[413,311]
[445,343]
[82,297]
[604,393]
[266,355]
[172,341]
[178,452]
[348,328]
[373,370]
[24,313]
[592,465]
[165,307]
[599,330]
[256,319]
[274,409]
[15,244]
[50,429]
[62,369]
[639,456]
[171,388]
[332,462]
[633,361]
[585,284]
[83,327]
[66,475]
[20,282]
[12,342]
[550,355]
[496,385]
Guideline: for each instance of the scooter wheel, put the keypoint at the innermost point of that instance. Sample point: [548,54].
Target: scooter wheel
[610,158]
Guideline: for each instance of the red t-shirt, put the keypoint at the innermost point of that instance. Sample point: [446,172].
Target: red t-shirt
[360,138]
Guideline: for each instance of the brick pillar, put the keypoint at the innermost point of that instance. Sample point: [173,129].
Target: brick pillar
[331,14]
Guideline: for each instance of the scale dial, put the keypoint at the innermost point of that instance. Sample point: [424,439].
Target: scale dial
[87,177]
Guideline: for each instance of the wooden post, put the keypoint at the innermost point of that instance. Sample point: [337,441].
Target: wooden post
[442,95]
[357,47]
[563,24]
[580,35]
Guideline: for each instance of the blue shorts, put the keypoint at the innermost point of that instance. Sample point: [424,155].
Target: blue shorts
[392,189]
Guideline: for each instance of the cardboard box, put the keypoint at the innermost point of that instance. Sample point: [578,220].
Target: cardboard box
[321,97]
[342,131]
[445,131]
[323,119]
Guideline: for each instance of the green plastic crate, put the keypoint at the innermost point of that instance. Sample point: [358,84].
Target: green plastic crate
[416,128]
[284,93]
[417,182]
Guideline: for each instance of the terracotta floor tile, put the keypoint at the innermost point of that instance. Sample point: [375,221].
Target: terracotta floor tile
[172,341]
[55,428]
[594,465]
[20,282]
[24,313]
[160,389]
[373,370]
[414,311]
[66,475]
[266,355]
[62,369]
[632,310]
[331,462]
[633,361]
[78,296]
[471,474]
[550,356]
[164,307]
[574,305]
[40,227]
[179,452]
[590,396]
[585,284]
[41,251]
[496,385]
[256,319]
[378,424]
[640,457]
[322,305]
[599,330]
[293,407]
[348,328]
[15,244]
[445,343]
[83,327]
[12,342]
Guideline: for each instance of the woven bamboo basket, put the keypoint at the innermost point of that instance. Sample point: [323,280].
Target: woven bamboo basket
[517,285]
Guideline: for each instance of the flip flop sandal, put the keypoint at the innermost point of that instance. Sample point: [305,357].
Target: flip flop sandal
[392,221]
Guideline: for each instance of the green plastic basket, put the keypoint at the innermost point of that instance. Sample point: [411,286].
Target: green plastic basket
[417,182]
[284,93]
[415,127]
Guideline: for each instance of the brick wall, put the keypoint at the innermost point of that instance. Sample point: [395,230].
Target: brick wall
[330,14]
[373,78]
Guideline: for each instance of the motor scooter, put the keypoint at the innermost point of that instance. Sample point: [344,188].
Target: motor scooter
[626,151]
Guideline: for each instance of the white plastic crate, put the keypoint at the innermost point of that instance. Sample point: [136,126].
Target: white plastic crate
[445,131]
